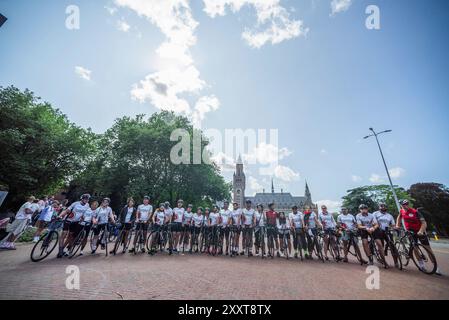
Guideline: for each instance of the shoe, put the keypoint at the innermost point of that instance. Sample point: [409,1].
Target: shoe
[345,259]
[250,254]
[278,254]
[242,253]
[59,256]
[81,253]
[306,255]
[371,262]
[102,246]
[131,250]
[438,272]
[326,258]
[296,255]
[35,239]
[142,250]
[93,251]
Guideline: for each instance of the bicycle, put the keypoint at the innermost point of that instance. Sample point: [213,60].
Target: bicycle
[121,240]
[390,245]
[353,248]
[214,239]
[139,239]
[409,248]
[78,242]
[47,242]
[285,241]
[247,243]
[317,244]
[297,238]
[333,246]
[232,233]
[261,240]
[270,241]
[102,239]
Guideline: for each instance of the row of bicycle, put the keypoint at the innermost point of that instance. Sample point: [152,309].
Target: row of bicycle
[268,241]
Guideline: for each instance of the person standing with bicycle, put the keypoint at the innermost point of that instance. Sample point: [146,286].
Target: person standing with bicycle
[127,217]
[236,220]
[178,216]
[187,227]
[299,237]
[71,226]
[283,226]
[348,224]
[45,217]
[159,219]
[100,220]
[248,226]
[368,227]
[328,222]
[385,221]
[272,231]
[214,235]
[259,229]
[86,222]
[224,222]
[414,221]
[198,222]
[311,222]
[143,215]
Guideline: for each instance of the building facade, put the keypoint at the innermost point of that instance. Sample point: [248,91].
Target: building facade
[283,201]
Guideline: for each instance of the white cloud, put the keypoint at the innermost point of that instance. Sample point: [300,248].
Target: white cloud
[111,10]
[122,25]
[225,162]
[356,178]
[176,73]
[285,173]
[375,178]
[274,24]
[266,153]
[338,6]
[332,206]
[83,73]
[254,184]
[323,152]
[397,172]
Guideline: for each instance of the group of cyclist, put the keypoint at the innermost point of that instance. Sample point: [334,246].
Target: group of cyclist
[236,231]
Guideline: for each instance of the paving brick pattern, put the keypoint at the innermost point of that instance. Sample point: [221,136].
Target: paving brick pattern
[203,277]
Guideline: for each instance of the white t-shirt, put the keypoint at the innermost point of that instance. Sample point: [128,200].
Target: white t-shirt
[145,212]
[285,225]
[296,219]
[198,220]
[311,223]
[102,214]
[225,215]
[327,220]
[384,220]
[160,217]
[47,214]
[367,221]
[88,214]
[213,218]
[348,220]
[187,217]
[21,214]
[179,214]
[77,210]
[129,214]
[235,215]
[248,214]
[260,221]
[168,213]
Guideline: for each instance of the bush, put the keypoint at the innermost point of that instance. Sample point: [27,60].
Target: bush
[28,235]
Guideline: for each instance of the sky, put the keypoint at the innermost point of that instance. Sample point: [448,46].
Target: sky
[310,69]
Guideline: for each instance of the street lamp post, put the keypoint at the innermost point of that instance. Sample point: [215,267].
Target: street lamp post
[375,134]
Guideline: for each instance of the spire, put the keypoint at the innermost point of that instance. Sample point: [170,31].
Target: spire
[272,186]
[307,194]
[239,160]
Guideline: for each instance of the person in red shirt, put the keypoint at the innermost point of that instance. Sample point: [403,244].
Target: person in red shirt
[414,221]
[272,226]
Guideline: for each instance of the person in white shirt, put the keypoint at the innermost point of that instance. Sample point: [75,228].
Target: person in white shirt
[197,222]
[224,222]
[367,225]
[236,217]
[214,229]
[71,227]
[187,227]
[283,226]
[347,223]
[178,217]
[259,229]
[328,222]
[19,224]
[385,222]
[45,218]
[100,219]
[86,221]
[143,215]
[159,219]
[248,224]
[299,237]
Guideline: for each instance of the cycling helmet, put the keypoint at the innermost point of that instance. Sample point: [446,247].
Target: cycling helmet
[207,208]
[200,208]
[248,201]
[404,202]
[190,206]
[363,206]
[167,204]
[85,196]
[215,206]
[260,205]
[294,207]
[162,205]
[107,199]
[226,202]
[146,197]
[180,201]
[382,204]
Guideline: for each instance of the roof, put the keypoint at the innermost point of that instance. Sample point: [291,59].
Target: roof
[280,199]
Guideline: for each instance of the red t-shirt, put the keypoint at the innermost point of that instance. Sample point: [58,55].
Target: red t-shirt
[412,219]
[271,217]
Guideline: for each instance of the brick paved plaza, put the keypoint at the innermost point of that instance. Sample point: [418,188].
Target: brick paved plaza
[203,277]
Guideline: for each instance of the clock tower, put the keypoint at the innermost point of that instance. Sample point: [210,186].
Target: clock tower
[238,185]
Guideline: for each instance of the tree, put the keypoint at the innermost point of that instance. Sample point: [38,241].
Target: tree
[134,160]
[40,149]
[372,196]
[434,199]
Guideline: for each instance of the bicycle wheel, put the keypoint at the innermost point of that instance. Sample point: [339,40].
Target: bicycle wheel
[77,244]
[285,243]
[271,246]
[138,242]
[44,246]
[357,252]
[119,241]
[262,243]
[318,249]
[403,252]
[395,254]
[423,259]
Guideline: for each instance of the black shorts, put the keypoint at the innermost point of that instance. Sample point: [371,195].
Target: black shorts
[98,228]
[196,230]
[87,227]
[271,230]
[176,227]
[66,225]
[75,228]
[281,235]
[141,226]
[127,226]
[375,235]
